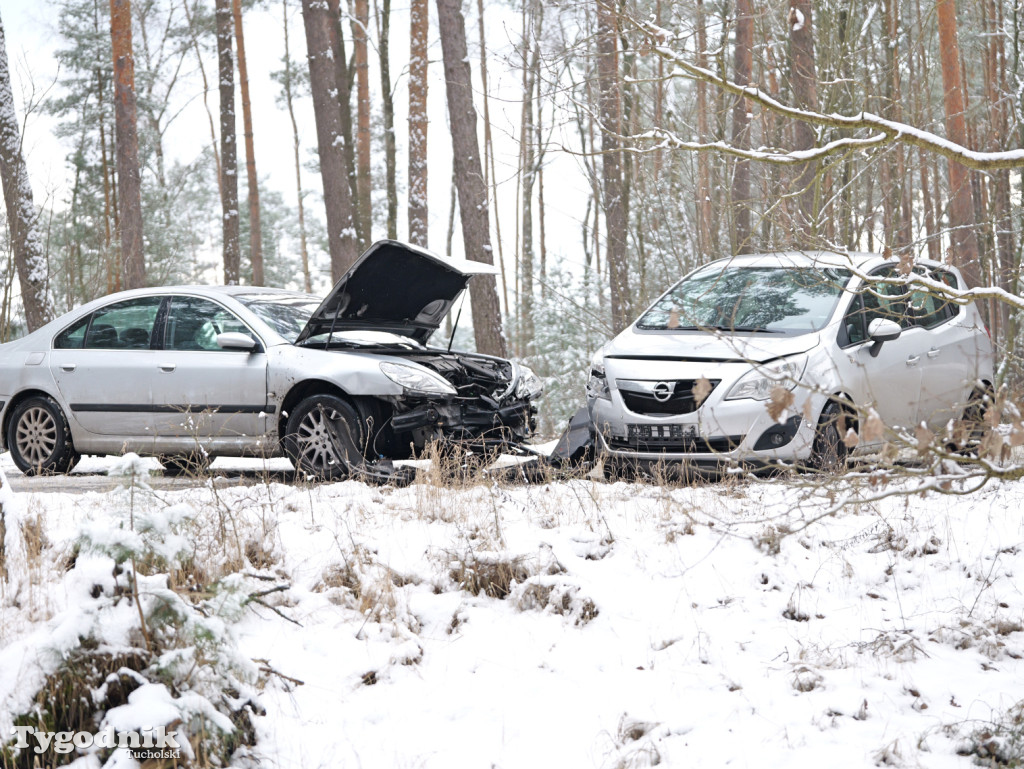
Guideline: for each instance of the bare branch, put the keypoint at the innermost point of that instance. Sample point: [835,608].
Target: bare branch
[892,130]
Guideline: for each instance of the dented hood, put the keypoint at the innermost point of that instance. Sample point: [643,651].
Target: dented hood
[394,287]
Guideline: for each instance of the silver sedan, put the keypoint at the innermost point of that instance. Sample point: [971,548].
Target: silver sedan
[189,373]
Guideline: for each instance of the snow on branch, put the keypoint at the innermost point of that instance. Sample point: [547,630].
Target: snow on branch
[891,130]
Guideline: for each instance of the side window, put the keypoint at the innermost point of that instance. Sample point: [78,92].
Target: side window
[194,323]
[876,300]
[125,325]
[929,309]
[73,337]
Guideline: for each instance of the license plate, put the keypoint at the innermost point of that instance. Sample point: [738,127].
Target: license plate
[667,433]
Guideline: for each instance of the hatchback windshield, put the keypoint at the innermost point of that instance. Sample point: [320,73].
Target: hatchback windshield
[790,300]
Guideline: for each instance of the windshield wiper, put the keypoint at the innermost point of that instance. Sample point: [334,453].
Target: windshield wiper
[741,329]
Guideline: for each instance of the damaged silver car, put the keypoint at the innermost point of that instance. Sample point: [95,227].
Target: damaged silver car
[191,373]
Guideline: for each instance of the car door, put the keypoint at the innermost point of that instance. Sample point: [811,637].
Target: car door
[205,391]
[104,366]
[890,380]
[950,365]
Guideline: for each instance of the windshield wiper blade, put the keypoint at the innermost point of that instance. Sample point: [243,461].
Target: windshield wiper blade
[742,329]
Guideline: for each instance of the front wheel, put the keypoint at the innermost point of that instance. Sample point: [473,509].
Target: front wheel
[830,451]
[39,438]
[324,436]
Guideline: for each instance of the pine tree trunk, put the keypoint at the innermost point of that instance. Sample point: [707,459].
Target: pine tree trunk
[704,245]
[133,264]
[419,37]
[29,258]
[804,81]
[228,150]
[964,241]
[255,232]
[473,206]
[289,96]
[390,151]
[360,34]
[741,129]
[341,235]
[613,184]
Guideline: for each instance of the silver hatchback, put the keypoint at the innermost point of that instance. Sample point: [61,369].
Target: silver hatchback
[765,358]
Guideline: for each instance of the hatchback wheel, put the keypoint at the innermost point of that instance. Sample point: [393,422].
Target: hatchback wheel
[324,435]
[39,438]
[830,451]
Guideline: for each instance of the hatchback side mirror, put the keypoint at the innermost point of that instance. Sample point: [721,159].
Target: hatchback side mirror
[233,340]
[882,330]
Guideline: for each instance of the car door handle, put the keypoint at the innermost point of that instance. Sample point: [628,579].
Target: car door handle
[913,359]
[934,353]
[168,367]
[68,366]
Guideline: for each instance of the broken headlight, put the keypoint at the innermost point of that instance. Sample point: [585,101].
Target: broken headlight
[417,379]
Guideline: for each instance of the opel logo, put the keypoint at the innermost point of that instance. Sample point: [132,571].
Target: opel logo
[663,391]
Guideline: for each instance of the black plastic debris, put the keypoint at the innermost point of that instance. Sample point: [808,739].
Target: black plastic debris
[576,446]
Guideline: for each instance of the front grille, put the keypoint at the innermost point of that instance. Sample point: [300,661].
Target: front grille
[673,439]
[681,401]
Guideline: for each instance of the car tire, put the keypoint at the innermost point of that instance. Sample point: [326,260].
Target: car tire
[192,465]
[972,426]
[829,452]
[39,438]
[323,436]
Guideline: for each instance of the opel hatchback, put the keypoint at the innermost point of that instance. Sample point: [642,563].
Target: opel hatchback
[693,378]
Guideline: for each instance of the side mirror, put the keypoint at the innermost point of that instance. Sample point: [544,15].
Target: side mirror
[233,340]
[882,330]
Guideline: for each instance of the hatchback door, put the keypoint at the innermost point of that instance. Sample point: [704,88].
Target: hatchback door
[105,367]
[890,380]
[953,355]
[202,390]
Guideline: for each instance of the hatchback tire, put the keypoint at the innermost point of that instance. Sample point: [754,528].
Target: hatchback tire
[39,438]
[324,436]
[830,451]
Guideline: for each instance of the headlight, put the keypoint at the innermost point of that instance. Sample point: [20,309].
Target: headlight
[761,380]
[417,379]
[597,385]
[530,385]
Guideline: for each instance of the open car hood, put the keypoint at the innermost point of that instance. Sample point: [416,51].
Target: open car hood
[394,287]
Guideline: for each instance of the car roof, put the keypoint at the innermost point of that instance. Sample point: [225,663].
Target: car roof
[859,261]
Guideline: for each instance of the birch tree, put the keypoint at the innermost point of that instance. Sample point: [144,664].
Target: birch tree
[419,38]
[22,218]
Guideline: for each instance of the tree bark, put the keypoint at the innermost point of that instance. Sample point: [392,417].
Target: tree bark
[744,55]
[703,161]
[228,150]
[965,252]
[364,175]
[255,232]
[613,184]
[341,235]
[804,81]
[419,38]
[133,263]
[473,206]
[387,98]
[289,96]
[22,218]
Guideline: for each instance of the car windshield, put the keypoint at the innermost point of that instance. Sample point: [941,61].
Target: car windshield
[790,300]
[287,314]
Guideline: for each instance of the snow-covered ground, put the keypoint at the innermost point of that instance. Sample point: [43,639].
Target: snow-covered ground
[628,624]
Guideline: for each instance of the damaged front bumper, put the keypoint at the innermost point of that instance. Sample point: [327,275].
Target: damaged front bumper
[475,425]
